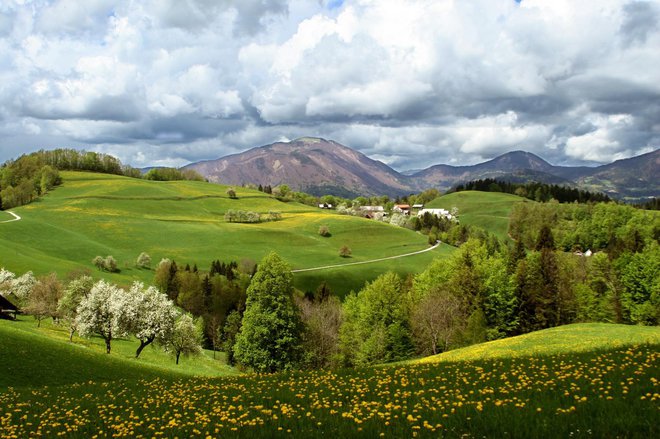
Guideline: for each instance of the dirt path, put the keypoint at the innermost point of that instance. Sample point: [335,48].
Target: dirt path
[366,262]
[16,218]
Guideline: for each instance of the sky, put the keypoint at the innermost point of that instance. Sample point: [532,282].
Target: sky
[411,83]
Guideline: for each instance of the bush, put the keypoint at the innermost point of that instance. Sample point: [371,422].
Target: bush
[143,261]
[324,231]
[231,193]
[110,264]
[345,251]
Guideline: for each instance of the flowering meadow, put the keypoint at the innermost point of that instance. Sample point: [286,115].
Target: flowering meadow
[605,393]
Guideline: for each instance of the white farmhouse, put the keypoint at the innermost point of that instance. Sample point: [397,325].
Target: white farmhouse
[440,213]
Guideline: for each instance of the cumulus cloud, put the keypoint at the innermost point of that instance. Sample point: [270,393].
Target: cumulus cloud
[408,82]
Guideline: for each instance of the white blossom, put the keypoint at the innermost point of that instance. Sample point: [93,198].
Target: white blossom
[101,313]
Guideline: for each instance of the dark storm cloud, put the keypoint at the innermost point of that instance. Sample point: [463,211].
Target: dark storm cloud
[639,20]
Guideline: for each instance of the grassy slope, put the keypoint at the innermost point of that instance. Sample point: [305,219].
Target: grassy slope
[488,210]
[579,337]
[603,392]
[36,357]
[98,214]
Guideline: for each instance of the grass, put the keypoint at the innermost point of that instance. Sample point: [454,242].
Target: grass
[488,210]
[609,391]
[98,214]
[35,357]
[579,337]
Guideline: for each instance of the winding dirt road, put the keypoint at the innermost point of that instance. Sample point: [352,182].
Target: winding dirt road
[366,262]
[16,218]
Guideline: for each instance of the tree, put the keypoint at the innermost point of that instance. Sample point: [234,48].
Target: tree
[324,231]
[74,293]
[22,287]
[143,261]
[99,262]
[147,314]
[274,215]
[376,323]
[110,264]
[269,340]
[438,320]
[186,338]
[100,313]
[42,302]
[166,279]
[191,292]
[229,332]
[231,193]
[322,319]
[345,251]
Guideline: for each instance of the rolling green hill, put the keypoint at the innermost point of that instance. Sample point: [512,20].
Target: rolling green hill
[488,210]
[607,388]
[579,337]
[100,214]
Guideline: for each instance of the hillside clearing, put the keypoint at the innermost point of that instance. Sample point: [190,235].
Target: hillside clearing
[488,210]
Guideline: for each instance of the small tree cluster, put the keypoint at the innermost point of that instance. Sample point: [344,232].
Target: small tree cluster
[242,216]
[108,264]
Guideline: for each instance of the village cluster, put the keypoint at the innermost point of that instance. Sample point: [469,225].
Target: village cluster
[380,212]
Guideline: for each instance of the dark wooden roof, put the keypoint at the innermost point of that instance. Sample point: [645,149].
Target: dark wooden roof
[6,305]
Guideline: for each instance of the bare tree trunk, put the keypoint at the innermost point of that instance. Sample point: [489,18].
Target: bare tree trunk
[107,345]
[71,331]
[178,353]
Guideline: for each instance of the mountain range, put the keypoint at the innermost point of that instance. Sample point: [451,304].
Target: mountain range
[318,166]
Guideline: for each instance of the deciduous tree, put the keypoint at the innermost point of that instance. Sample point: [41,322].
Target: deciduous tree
[100,313]
[269,339]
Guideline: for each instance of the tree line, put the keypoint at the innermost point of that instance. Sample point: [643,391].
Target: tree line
[536,191]
[31,175]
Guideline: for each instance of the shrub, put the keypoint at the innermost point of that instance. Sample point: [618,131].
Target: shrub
[345,251]
[324,231]
[143,261]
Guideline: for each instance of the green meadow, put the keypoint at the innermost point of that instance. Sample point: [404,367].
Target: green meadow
[609,389]
[488,210]
[43,356]
[99,214]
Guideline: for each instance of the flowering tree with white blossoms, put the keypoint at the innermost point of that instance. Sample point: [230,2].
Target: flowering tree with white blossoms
[147,314]
[22,287]
[6,276]
[101,313]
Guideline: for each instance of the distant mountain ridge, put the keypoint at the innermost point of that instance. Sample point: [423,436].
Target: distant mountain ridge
[320,166]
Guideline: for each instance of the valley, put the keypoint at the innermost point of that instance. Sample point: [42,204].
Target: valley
[100,214]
